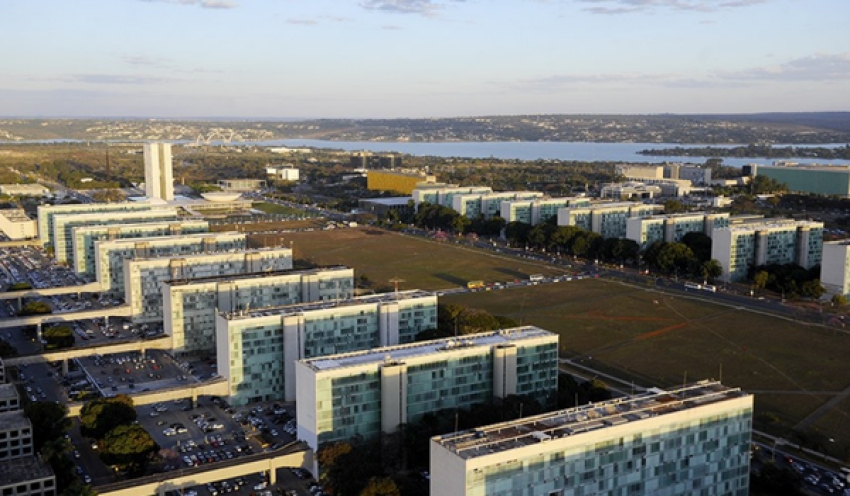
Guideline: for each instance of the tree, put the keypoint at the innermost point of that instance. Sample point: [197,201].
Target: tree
[35,308]
[674,257]
[700,244]
[672,206]
[129,447]
[812,289]
[710,270]
[460,223]
[380,486]
[104,414]
[58,337]
[49,421]
[517,233]
[760,279]
[7,350]
[19,286]
[839,300]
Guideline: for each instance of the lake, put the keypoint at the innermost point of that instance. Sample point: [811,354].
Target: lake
[534,150]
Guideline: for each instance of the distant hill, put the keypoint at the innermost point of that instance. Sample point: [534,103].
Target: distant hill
[765,128]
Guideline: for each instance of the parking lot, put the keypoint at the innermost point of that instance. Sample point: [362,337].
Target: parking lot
[126,373]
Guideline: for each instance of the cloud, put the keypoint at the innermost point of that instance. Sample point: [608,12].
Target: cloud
[206,4]
[818,67]
[422,7]
[302,22]
[391,27]
[632,6]
[561,80]
[115,79]
[144,61]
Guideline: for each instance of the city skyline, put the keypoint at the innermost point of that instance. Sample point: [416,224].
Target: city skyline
[422,58]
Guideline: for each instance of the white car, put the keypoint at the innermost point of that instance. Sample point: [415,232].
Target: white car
[169,431]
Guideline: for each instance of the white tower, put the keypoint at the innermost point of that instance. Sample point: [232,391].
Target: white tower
[159,179]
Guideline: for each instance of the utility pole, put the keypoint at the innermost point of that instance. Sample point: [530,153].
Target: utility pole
[395,281]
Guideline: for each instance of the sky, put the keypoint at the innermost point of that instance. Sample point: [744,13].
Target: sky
[420,58]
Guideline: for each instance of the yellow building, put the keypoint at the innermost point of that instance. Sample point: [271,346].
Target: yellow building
[401,182]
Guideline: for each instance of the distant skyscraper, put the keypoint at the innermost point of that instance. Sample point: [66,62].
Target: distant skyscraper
[159,179]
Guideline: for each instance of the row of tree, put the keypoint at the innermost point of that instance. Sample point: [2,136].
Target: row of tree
[122,442]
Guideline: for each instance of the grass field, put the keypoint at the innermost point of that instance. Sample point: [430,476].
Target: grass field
[633,332]
[423,264]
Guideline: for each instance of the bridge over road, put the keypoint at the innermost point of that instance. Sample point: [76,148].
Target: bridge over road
[297,454]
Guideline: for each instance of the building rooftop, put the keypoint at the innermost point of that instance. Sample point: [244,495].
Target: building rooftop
[321,305]
[586,418]
[15,215]
[396,200]
[8,392]
[771,224]
[166,240]
[18,470]
[401,352]
[15,420]
[212,254]
[255,275]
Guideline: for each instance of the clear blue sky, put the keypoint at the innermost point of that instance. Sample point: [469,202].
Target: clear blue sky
[421,58]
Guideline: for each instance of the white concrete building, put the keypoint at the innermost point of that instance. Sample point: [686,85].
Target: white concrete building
[84,237]
[283,173]
[16,225]
[24,189]
[15,435]
[143,277]
[672,228]
[110,254]
[835,267]
[486,205]
[27,476]
[606,219]
[538,210]
[261,346]
[359,395]
[693,440]
[766,241]
[46,214]
[63,226]
[159,175]
[191,306]
[9,399]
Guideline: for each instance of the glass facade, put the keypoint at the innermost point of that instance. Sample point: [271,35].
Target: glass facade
[703,456]
[349,407]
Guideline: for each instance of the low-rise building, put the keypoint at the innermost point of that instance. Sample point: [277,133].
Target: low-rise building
[359,395]
[9,400]
[283,173]
[24,189]
[143,277]
[15,224]
[241,184]
[818,179]
[685,441]
[257,349]
[15,435]
[402,182]
[740,247]
[84,237]
[191,305]
[27,476]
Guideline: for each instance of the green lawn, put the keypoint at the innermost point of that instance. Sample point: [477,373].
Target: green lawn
[632,332]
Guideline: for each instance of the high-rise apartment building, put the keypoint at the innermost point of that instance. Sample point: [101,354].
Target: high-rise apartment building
[143,277]
[190,306]
[257,349]
[768,241]
[159,178]
[84,237]
[443,194]
[689,441]
[359,395]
